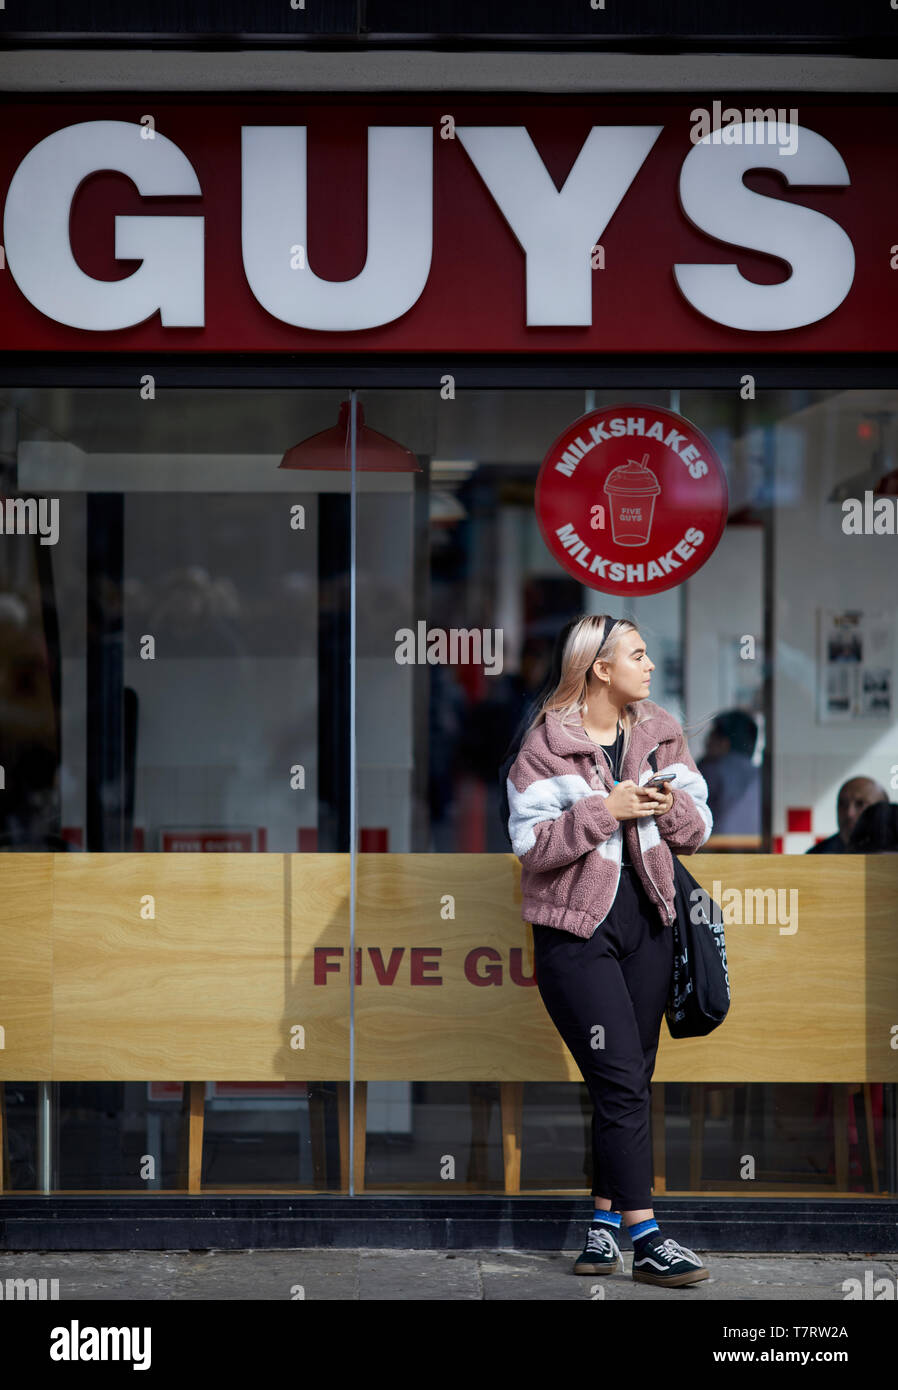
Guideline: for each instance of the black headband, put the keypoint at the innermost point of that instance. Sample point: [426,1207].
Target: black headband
[606,627]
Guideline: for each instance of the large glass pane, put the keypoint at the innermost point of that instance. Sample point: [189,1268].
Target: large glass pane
[491,1100]
[176,677]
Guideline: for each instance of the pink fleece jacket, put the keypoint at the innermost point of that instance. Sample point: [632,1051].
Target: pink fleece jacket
[569,843]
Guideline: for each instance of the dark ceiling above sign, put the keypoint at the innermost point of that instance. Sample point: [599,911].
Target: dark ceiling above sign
[867,26]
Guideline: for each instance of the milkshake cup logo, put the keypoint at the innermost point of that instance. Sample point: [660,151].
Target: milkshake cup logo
[631,498]
[632,489]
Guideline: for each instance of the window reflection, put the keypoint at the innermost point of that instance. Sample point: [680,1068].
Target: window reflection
[250,678]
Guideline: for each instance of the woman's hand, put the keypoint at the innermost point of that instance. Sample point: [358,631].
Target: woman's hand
[629,801]
[667,800]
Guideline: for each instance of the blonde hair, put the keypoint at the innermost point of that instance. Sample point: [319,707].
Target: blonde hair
[579,650]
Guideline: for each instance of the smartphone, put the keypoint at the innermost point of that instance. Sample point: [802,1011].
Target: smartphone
[671,777]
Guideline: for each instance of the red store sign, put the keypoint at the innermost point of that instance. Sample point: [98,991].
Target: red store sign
[486,226]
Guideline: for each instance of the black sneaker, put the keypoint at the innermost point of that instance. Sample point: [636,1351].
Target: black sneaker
[667,1262]
[601,1253]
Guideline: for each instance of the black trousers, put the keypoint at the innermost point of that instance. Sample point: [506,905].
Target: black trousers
[606,996]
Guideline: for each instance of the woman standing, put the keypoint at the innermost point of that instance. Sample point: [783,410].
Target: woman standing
[595,842]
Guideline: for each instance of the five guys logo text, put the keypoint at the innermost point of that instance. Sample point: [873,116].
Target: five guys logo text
[483,965]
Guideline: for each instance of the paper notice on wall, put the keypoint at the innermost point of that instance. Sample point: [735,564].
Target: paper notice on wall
[855,665]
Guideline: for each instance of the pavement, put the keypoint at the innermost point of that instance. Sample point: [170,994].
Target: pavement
[433,1275]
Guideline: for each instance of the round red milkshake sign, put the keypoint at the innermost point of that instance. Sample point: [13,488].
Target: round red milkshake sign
[631,499]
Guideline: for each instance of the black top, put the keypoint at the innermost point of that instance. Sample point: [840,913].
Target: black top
[614,752]
[834,845]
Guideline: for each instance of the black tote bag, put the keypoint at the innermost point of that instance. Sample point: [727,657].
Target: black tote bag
[700,985]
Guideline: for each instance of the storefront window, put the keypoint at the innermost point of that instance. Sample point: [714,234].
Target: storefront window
[176,681]
[182,673]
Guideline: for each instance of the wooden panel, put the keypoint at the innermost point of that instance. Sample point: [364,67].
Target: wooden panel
[880,927]
[319,922]
[210,987]
[450,1029]
[26,952]
[810,1005]
[813,1004]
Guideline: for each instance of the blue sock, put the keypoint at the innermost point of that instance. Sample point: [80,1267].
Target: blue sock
[608,1218]
[642,1230]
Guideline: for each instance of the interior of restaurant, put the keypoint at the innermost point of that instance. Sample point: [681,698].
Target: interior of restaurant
[205,659]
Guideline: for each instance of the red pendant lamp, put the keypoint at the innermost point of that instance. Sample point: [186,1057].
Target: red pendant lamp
[332,448]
